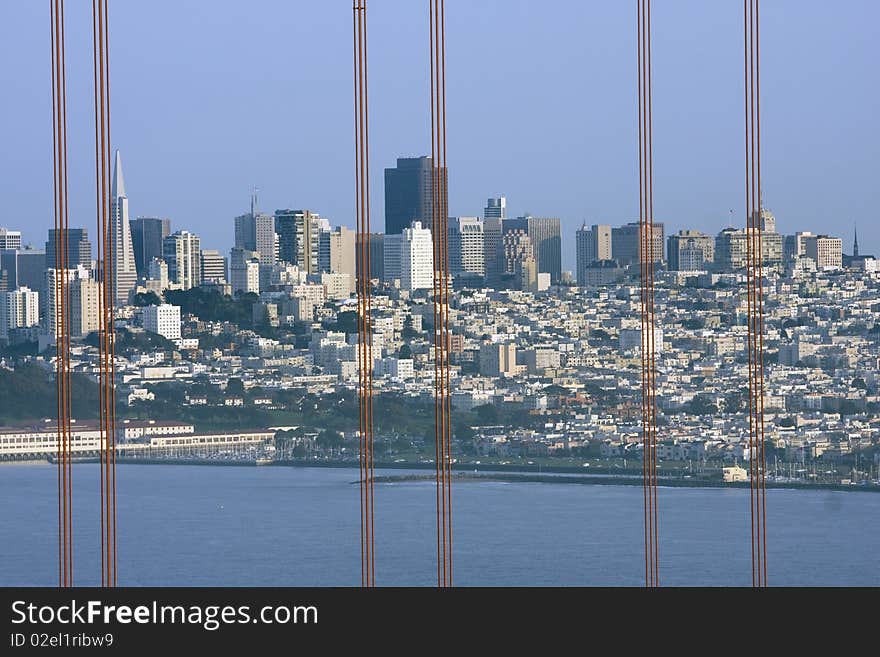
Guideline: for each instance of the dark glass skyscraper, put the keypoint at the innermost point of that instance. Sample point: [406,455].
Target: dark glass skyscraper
[409,194]
[147,234]
[79,249]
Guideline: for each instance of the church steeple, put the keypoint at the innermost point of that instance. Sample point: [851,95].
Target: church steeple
[855,241]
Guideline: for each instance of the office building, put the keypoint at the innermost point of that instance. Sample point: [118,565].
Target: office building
[496,208]
[546,241]
[213,267]
[626,243]
[826,251]
[690,250]
[162,320]
[465,248]
[182,252]
[592,245]
[795,246]
[10,239]
[79,248]
[122,268]
[518,266]
[22,268]
[376,255]
[147,234]
[338,253]
[409,194]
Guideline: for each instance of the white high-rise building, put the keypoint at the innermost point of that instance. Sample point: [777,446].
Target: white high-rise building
[122,268]
[416,258]
[213,266]
[18,309]
[466,247]
[409,258]
[182,251]
[244,271]
[10,239]
[163,320]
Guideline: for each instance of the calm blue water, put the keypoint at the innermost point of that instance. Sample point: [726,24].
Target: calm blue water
[182,525]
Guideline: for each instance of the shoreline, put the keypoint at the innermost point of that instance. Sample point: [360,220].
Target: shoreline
[472,472]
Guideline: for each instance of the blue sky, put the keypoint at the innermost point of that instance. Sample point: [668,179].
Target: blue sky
[211,98]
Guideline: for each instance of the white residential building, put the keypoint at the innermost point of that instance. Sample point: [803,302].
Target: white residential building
[163,320]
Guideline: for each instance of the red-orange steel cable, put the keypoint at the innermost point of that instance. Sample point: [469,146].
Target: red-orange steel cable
[642,293]
[749,260]
[369,293]
[366,460]
[435,289]
[760,290]
[651,306]
[112,331]
[102,330]
[56,187]
[445,262]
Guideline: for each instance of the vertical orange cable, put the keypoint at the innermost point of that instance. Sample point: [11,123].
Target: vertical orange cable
[444,199]
[360,279]
[435,285]
[102,384]
[56,284]
[642,294]
[749,261]
[652,409]
[369,291]
[366,461]
[112,332]
[760,289]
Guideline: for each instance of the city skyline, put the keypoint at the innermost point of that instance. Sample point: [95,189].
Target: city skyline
[579,170]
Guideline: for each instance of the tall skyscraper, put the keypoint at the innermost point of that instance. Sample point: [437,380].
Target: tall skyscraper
[182,251]
[299,238]
[592,245]
[545,235]
[10,239]
[409,257]
[79,249]
[467,262]
[855,242]
[496,208]
[626,243]
[690,250]
[213,267]
[519,266]
[147,234]
[584,249]
[409,193]
[122,267]
[22,268]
